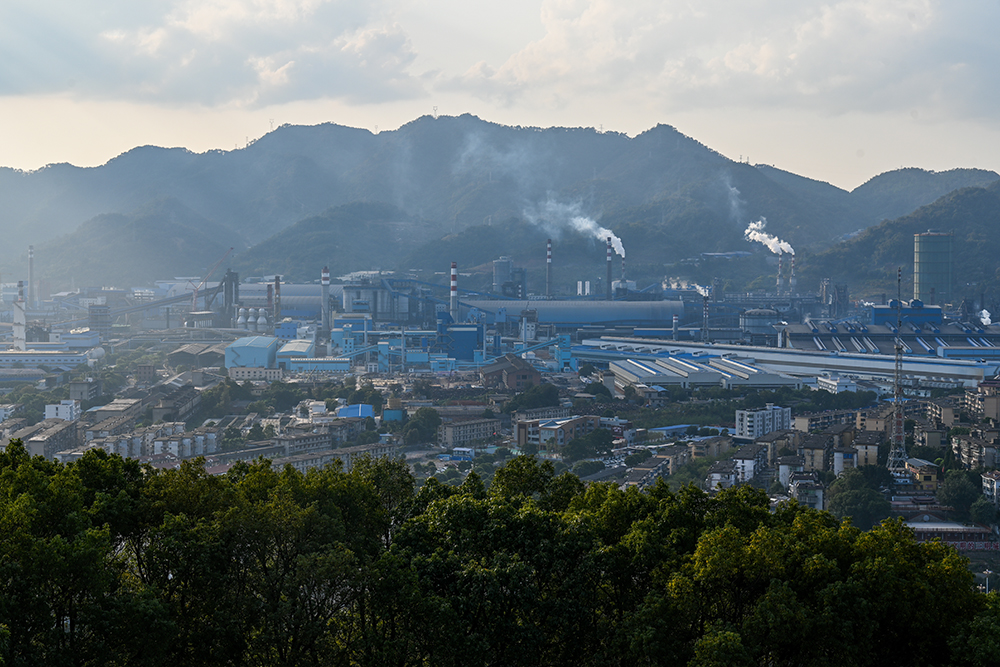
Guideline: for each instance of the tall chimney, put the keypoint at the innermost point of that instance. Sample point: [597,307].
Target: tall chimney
[31,276]
[778,288]
[676,327]
[610,294]
[791,278]
[276,315]
[19,328]
[270,298]
[324,282]
[548,268]
[454,291]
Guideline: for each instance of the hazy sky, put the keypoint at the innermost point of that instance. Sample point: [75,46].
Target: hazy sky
[836,90]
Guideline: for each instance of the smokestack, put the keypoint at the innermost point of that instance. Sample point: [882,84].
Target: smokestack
[270,300]
[454,291]
[20,322]
[791,278]
[276,316]
[779,275]
[548,268]
[623,274]
[676,327]
[610,296]
[31,276]
[324,282]
[704,319]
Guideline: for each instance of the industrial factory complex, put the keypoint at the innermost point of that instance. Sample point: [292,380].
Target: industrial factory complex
[670,334]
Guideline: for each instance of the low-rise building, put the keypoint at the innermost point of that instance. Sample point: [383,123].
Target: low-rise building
[476,432]
[750,460]
[805,488]
[991,487]
[551,435]
[68,410]
[926,475]
[721,475]
[866,444]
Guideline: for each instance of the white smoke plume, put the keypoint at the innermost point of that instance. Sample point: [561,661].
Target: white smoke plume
[755,232]
[555,217]
[984,317]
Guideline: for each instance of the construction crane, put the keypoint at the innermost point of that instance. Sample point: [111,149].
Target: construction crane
[194,297]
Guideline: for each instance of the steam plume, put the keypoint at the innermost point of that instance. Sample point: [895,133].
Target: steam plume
[984,317]
[555,217]
[755,232]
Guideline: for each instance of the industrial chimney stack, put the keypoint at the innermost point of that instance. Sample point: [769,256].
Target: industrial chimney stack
[31,276]
[610,294]
[791,278]
[324,282]
[276,316]
[778,288]
[548,268]
[454,291]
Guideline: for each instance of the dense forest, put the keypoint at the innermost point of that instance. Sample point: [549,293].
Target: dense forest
[104,562]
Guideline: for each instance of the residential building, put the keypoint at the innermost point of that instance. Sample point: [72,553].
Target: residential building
[991,487]
[472,433]
[805,488]
[551,435]
[750,460]
[942,412]
[788,465]
[721,475]
[983,402]
[975,452]
[755,423]
[866,444]
[512,372]
[926,475]
[815,452]
[713,447]
[818,421]
[85,390]
[68,410]
[777,441]
[844,458]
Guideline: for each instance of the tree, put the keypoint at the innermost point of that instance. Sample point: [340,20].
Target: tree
[958,492]
[983,511]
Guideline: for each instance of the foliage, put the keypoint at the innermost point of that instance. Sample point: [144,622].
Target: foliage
[108,563]
[421,427]
[539,396]
[596,443]
[958,492]
[856,496]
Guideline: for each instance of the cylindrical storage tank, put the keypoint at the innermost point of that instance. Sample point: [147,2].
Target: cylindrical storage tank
[932,267]
[759,321]
[501,273]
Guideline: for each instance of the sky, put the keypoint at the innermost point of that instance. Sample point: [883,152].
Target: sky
[838,91]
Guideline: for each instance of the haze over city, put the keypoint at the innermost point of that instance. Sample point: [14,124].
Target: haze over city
[837,91]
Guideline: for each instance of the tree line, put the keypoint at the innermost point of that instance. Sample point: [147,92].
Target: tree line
[106,562]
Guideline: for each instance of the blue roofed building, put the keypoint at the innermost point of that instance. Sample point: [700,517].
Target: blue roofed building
[357,410]
[248,358]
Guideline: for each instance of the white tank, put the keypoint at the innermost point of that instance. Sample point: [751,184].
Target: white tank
[241,321]
[252,319]
[262,320]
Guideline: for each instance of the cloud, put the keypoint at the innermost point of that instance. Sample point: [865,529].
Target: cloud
[211,52]
[835,56]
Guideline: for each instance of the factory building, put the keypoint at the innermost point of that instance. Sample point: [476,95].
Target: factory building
[932,267]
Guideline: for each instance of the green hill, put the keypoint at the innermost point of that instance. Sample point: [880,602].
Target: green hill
[868,261]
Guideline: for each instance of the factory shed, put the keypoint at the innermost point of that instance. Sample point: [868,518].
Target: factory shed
[573,314]
[252,352]
[294,349]
[197,355]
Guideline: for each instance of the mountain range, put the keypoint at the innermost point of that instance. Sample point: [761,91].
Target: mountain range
[435,189]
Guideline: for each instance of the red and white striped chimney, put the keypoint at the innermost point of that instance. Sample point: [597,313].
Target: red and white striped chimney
[454,291]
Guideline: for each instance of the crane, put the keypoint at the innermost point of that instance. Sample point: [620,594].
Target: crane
[194,298]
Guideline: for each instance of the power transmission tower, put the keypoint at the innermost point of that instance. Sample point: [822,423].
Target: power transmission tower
[897,452]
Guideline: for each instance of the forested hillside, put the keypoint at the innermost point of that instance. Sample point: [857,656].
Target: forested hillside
[673,196]
[106,563]
[869,261]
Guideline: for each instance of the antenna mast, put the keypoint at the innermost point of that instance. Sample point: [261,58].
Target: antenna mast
[897,452]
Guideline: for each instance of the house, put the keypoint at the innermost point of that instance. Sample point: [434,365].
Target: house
[805,488]
[510,371]
[991,486]
[750,461]
[721,475]
[866,444]
[926,475]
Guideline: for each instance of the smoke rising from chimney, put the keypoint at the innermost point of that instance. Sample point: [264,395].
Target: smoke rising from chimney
[755,232]
[984,317]
[556,217]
